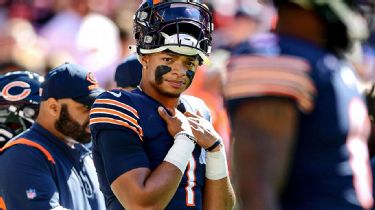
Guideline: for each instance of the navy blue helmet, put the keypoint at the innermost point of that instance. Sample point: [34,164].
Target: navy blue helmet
[19,102]
[181,26]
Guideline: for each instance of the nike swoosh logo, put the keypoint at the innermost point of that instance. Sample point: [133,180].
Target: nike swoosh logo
[118,95]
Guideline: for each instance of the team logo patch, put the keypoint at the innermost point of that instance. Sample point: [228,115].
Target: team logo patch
[16,97]
[91,78]
[31,194]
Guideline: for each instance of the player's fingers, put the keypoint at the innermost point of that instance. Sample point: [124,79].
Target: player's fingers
[191,115]
[163,113]
[193,122]
[199,114]
[196,127]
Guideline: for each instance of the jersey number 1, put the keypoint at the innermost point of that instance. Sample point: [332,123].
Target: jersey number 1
[191,182]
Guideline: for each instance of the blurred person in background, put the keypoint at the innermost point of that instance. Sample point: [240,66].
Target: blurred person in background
[125,41]
[20,43]
[299,122]
[79,35]
[20,47]
[129,73]
[247,22]
[47,167]
[19,103]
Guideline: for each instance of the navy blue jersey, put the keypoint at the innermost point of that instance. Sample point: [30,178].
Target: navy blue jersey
[42,172]
[128,133]
[330,167]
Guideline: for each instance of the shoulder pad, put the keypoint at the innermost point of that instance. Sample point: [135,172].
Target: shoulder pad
[114,109]
[194,104]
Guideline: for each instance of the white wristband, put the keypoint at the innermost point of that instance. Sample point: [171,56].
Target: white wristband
[180,153]
[216,165]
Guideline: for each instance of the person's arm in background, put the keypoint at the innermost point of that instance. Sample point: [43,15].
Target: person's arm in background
[263,131]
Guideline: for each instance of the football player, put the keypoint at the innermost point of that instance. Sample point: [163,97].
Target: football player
[299,122]
[147,153]
[19,102]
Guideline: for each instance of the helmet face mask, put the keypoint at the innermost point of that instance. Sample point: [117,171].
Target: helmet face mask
[183,27]
[19,102]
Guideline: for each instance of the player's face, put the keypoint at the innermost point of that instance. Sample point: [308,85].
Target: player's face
[73,121]
[170,74]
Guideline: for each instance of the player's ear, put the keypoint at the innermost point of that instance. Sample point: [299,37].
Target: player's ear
[53,107]
[144,59]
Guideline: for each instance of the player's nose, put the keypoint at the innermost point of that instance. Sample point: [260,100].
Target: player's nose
[180,68]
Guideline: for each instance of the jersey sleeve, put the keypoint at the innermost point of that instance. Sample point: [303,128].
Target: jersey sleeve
[114,110]
[117,135]
[281,76]
[120,152]
[26,180]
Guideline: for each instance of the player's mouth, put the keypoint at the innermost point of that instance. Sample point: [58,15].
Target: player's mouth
[176,83]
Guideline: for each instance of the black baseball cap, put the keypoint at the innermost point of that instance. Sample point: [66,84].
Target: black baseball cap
[71,81]
[129,72]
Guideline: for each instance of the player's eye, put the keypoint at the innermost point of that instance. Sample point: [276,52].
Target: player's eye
[191,65]
[167,59]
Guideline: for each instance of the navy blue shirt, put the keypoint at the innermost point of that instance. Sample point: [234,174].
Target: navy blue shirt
[330,168]
[47,174]
[128,133]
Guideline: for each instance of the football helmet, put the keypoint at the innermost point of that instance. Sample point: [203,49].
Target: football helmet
[19,102]
[181,26]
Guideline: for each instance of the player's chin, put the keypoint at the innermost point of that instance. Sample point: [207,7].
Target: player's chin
[177,90]
[171,93]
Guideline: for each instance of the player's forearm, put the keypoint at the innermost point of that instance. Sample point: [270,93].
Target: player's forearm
[218,195]
[143,189]
[218,191]
[161,185]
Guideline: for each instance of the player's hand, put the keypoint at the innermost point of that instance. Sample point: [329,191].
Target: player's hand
[176,121]
[203,130]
